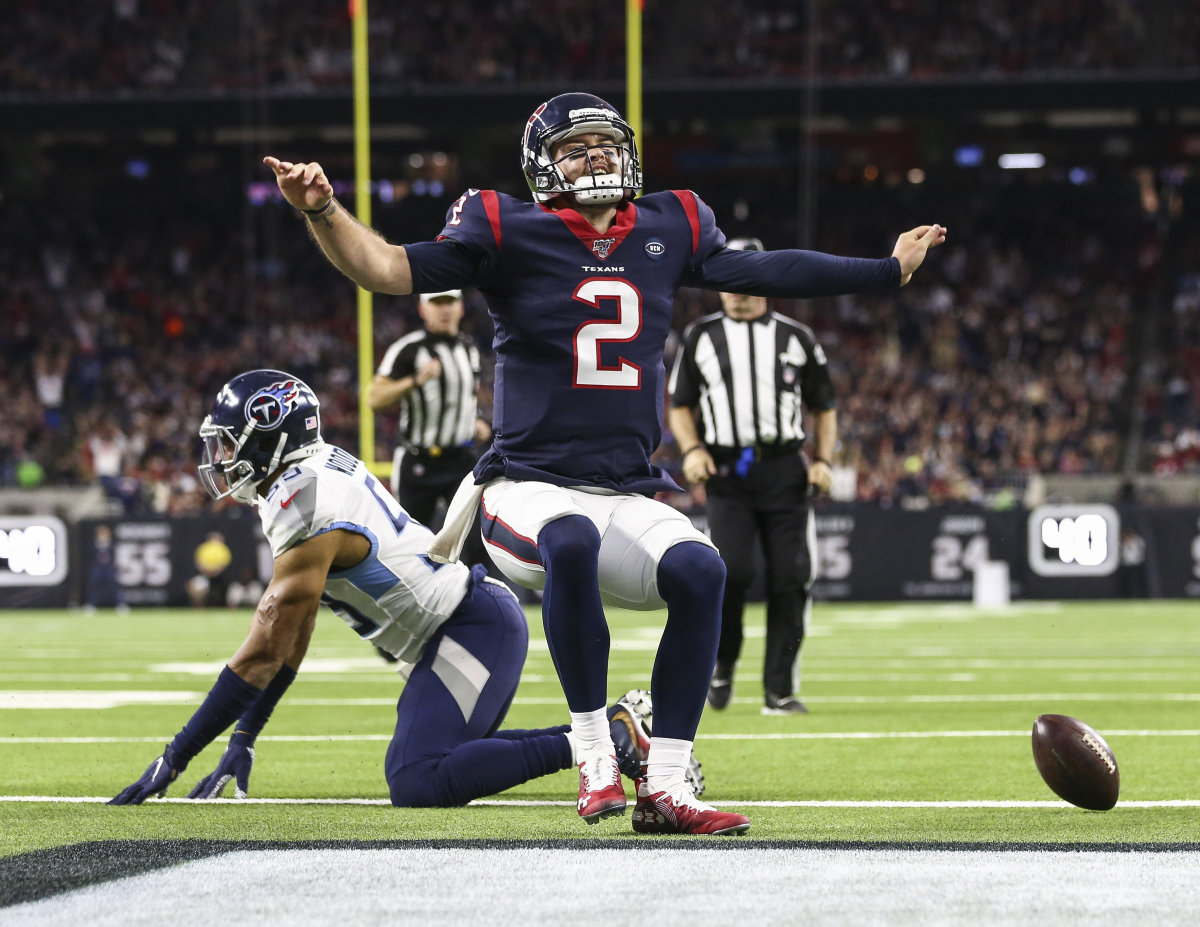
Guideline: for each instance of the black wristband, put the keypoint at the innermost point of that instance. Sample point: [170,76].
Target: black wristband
[229,697]
[694,447]
[824,461]
[317,213]
[254,718]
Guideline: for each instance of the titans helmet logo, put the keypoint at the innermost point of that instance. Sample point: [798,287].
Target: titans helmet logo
[270,405]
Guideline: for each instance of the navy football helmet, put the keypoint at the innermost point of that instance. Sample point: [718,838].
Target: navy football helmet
[565,116]
[260,420]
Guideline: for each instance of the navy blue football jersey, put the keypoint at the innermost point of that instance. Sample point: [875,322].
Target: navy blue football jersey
[582,319]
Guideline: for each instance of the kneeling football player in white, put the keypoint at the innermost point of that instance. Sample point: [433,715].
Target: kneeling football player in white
[340,539]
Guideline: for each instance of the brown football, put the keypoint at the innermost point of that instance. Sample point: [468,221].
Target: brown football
[1075,762]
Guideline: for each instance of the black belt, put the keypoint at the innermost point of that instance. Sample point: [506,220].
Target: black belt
[759,451]
[437,450]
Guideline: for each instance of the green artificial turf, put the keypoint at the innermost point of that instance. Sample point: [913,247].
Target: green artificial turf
[879,681]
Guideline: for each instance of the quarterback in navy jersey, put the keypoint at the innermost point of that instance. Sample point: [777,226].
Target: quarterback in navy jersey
[580,284]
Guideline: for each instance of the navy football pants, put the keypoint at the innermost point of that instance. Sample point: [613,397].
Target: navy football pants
[447,749]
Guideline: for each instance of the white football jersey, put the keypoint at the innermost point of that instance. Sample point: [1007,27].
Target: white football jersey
[397,597]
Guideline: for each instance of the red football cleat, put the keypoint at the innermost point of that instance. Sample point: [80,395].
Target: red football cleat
[682,813]
[601,794]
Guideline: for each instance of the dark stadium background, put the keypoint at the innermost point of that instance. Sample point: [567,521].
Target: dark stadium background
[1050,353]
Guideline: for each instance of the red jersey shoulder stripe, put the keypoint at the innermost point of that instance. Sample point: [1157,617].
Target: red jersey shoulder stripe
[688,199]
[491,205]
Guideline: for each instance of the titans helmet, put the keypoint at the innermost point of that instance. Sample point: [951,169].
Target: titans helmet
[260,420]
[563,117]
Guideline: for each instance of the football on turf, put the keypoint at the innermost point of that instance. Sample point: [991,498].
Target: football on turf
[1075,762]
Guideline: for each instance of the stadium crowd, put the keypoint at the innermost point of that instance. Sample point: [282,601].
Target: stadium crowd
[1011,357]
[298,47]
[1027,347]
[1169,384]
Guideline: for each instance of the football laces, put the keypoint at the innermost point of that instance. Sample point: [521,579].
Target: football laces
[1097,749]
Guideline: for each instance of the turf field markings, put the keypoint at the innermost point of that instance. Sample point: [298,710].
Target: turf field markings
[919,735]
[782,735]
[546,803]
[74,677]
[25,699]
[1014,663]
[984,697]
[70,699]
[936,609]
[319,665]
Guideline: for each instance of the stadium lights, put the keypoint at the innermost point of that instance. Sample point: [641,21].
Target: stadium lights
[968,155]
[1023,161]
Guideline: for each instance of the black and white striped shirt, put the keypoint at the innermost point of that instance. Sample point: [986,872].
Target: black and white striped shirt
[441,412]
[750,379]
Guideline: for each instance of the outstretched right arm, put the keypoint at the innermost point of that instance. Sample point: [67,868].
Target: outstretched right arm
[362,254]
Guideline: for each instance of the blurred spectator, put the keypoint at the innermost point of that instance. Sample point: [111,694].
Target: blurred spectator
[207,589]
[304,46]
[107,450]
[103,585]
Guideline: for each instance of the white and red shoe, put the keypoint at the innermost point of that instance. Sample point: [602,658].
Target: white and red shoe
[680,812]
[601,794]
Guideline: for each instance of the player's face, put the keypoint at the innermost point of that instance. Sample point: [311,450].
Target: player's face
[584,154]
[743,308]
[442,315]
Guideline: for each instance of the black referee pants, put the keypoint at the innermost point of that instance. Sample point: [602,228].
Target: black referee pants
[770,503]
[425,480]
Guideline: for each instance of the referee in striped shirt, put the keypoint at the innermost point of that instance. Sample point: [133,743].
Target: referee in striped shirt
[433,375]
[745,374]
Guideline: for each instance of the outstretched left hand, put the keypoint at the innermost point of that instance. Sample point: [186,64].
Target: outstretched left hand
[155,780]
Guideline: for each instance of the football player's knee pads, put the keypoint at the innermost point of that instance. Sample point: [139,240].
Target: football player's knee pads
[570,541]
[691,569]
[417,785]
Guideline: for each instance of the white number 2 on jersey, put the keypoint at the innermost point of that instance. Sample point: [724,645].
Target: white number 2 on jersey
[590,335]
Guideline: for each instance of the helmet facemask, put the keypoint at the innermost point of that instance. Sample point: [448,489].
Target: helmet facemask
[222,472]
[592,188]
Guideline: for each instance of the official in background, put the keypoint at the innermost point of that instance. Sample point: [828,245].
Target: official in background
[746,373]
[432,375]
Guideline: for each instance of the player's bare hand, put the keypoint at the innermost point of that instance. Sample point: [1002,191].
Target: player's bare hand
[820,476]
[698,466]
[303,184]
[429,370]
[913,245]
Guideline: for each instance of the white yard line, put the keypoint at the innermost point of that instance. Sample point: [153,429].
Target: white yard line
[72,699]
[519,803]
[788,735]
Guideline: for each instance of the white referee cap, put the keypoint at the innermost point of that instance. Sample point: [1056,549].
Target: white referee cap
[744,244]
[442,294]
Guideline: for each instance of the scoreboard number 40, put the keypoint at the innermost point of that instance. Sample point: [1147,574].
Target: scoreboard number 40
[1074,540]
